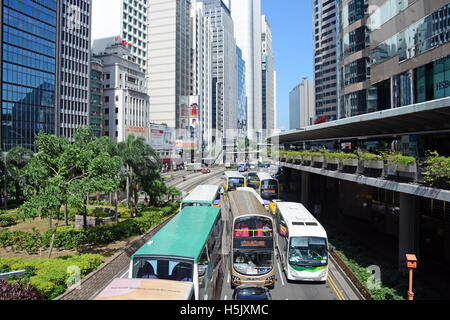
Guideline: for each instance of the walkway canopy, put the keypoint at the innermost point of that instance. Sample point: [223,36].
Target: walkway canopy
[423,118]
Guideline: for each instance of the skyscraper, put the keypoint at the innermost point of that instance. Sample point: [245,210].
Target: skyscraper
[325,58]
[201,70]
[268,81]
[169,52]
[224,71]
[74,66]
[301,105]
[246,15]
[242,97]
[29,59]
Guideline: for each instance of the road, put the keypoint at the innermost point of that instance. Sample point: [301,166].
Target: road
[337,286]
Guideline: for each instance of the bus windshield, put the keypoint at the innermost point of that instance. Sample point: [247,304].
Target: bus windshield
[234,183]
[251,262]
[269,189]
[166,269]
[308,251]
[195,204]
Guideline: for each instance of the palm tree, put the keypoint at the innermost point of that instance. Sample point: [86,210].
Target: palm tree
[16,160]
[139,159]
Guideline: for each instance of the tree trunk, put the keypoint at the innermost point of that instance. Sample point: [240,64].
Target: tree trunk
[5,190]
[52,241]
[84,215]
[66,218]
[49,221]
[116,214]
[110,198]
[128,187]
[98,196]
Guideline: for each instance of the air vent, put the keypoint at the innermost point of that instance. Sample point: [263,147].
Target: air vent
[298,223]
[311,223]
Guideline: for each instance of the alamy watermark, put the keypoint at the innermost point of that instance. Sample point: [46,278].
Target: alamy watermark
[74,280]
[73,17]
[374,281]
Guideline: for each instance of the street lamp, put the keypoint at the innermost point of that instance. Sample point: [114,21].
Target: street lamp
[411,264]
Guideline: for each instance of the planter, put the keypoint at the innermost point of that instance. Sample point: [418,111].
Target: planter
[374,164]
[317,159]
[350,163]
[411,168]
[298,160]
[333,161]
[307,160]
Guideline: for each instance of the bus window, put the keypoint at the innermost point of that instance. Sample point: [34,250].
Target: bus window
[253,263]
[218,200]
[255,227]
[234,183]
[195,204]
[162,269]
[269,189]
[308,251]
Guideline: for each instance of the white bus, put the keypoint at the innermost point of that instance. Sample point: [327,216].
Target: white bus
[253,191]
[203,196]
[302,243]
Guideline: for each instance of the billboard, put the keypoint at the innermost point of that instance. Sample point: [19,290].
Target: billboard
[138,132]
[162,137]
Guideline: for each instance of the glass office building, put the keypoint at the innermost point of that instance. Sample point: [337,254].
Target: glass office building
[28,57]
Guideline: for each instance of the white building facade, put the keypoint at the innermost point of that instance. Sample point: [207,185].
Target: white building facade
[126,103]
[74,67]
[168,59]
[302,105]
[268,80]
[246,15]
[121,20]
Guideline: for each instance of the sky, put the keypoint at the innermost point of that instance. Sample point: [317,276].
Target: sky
[292,36]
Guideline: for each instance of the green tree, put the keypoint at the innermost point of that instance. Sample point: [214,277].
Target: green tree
[141,162]
[16,160]
[64,173]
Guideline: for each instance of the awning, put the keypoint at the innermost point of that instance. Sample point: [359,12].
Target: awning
[422,118]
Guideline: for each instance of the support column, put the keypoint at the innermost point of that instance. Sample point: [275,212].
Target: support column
[408,229]
[305,189]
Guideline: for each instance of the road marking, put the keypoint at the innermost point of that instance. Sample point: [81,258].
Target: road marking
[225,297]
[228,279]
[336,290]
[281,274]
[124,274]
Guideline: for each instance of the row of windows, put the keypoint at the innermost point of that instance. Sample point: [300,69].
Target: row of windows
[33,9]
[324,72]
[74,93]
[320,66]
[27,41]
[22,95]
[428,33]
[28,58]
[73,119]
[29,24]
[25,76]
[324,95]
[320,81]
[22,116]
[73,106]
[323,88]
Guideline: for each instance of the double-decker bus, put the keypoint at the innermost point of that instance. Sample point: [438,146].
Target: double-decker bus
[203,196]
[234,180]
[302,243]
[252,258]
[186,249]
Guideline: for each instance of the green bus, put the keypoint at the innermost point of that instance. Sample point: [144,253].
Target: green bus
[186,249]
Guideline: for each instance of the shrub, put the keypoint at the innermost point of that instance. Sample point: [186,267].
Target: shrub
[17,291]
[371,157]
[68,238]
[49,276]
[436,169]
[400,159]
[9,219]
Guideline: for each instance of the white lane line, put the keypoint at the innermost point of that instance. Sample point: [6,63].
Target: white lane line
[225,297]
[281,274]
[228,279]
[124,274]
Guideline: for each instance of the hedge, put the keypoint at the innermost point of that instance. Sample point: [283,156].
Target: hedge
[68,238]
[9,219]
[50,275]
